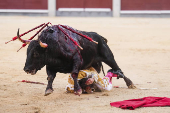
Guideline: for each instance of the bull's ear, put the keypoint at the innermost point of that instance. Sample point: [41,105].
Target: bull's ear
[51,30]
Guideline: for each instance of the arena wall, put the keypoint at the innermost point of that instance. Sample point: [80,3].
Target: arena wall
[84,4]
[145,4]
[86,7]
[23,4]
[24,7]
[146,8]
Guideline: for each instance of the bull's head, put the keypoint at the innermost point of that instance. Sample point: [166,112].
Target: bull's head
[35,55]
[35,52]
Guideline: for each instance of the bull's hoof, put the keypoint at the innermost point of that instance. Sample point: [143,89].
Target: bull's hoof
[129,83]
[132,86]
[78,92]
[47,92]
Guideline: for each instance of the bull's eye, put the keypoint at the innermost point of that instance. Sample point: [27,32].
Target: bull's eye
[36,54]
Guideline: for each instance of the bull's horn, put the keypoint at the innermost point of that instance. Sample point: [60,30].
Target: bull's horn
[23,41]
[43,45]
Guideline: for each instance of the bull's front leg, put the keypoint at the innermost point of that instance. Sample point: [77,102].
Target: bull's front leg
[77,88]
[51,76]
[76,67]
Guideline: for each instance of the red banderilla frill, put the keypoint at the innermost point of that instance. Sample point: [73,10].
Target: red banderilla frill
[29,40]
[44,44]
[90,39]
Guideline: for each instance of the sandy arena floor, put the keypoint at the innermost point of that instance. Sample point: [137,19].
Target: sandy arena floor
[141,47]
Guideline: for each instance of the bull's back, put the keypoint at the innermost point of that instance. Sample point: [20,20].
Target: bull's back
[91,51]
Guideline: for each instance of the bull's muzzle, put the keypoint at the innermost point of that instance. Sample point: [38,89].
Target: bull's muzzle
[28,71]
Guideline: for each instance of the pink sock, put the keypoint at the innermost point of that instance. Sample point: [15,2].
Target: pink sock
[110,75]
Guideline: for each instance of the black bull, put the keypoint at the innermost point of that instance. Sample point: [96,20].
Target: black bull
[63,56]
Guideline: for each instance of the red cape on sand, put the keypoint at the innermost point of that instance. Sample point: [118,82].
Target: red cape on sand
[142,102]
